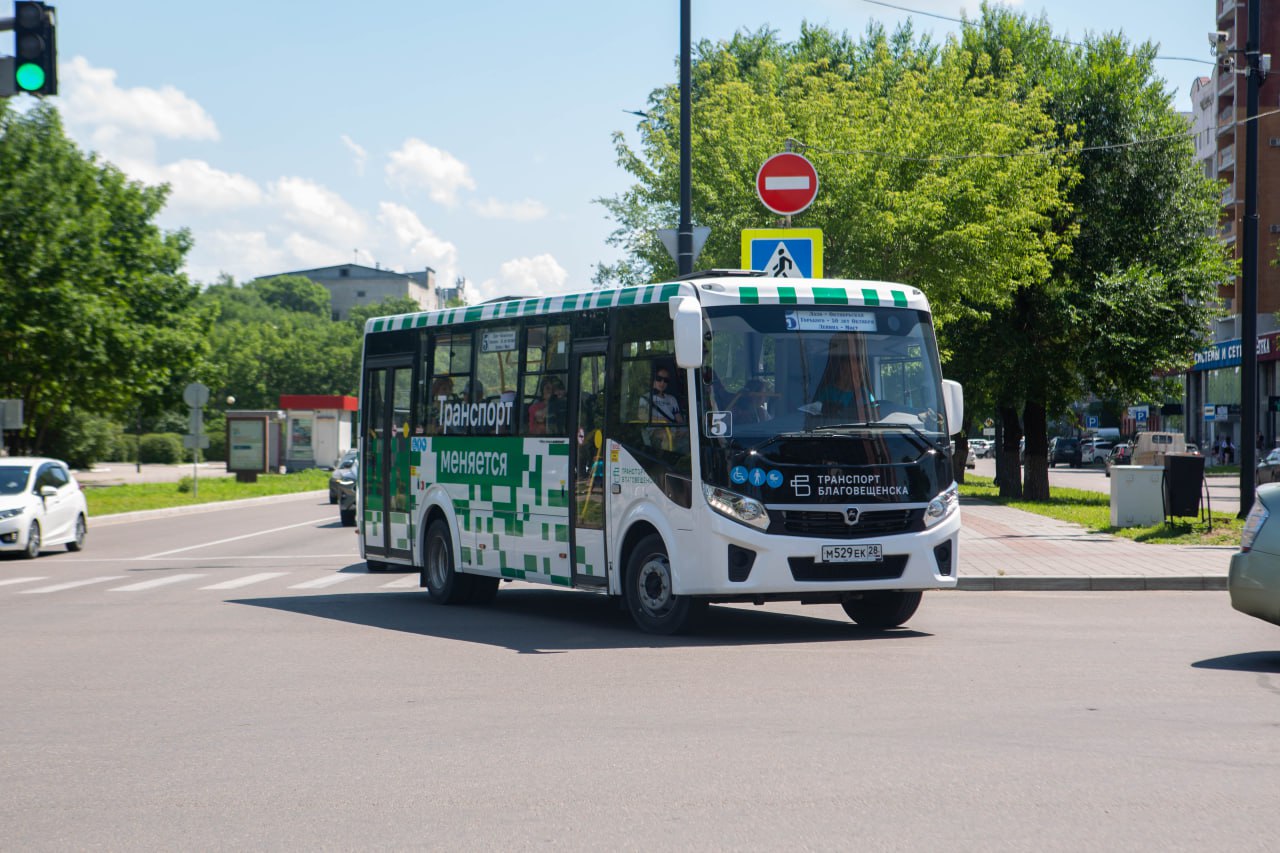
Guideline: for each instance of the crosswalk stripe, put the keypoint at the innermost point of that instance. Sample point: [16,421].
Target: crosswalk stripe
[402,583]
[153,583]
[70,585]
[245,581]
[8,581]
[327,580]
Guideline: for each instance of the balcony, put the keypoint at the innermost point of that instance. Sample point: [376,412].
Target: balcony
[1228,196]
[1227,232]
[1226,9]
[1227,158]
[1226,84]
[1227,120]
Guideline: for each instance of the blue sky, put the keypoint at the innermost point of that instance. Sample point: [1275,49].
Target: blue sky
[471,137]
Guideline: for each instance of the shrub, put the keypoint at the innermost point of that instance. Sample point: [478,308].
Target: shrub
[82,440]
[185,484]
[161,448]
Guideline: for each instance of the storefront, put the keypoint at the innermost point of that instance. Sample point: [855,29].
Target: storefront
[1213,394]
[319,429]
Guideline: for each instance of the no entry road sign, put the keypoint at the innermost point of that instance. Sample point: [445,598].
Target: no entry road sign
[787,183]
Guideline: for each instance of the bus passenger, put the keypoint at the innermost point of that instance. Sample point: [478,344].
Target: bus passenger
[844,389]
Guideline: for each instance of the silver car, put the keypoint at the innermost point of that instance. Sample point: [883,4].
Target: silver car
[41,505]
[1254,578]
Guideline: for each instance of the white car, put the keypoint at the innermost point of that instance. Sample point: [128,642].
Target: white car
[1095,450]
[41,505]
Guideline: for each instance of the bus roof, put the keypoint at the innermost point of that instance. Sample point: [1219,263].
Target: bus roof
[715,290]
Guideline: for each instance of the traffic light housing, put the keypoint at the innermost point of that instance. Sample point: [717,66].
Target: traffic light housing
[35,62]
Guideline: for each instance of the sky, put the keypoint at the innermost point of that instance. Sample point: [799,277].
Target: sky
[470,137]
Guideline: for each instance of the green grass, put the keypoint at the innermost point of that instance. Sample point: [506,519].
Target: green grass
[106,500]
[1092,510]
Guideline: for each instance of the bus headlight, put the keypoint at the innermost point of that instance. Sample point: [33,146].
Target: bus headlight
[740,508]
[942,506]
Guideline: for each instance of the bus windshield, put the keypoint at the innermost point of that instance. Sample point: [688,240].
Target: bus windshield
[786,370]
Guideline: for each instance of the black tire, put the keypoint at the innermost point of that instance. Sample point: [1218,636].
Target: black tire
[444,584]
[348,517]
[333,496]
[33,542]
[654,607]
[883,608]
[82,530]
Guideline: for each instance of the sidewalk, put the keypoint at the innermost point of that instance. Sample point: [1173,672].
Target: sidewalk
[122,473]
[1009,549]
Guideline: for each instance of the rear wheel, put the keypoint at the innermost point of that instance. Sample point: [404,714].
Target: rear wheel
[77,544]
[444,585]
[883,608]
[33,541]
[653,604]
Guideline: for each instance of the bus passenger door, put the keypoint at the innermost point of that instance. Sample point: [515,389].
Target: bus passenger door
[385,498]
[587,442]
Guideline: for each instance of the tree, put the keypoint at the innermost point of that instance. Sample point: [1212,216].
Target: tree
[95,313]
[293,293]
[1134,295]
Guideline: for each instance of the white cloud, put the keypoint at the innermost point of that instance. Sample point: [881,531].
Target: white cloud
[197,186]
[318,209]
[541,275]
[357,151]
[91,96]
[424,247]
[417,165]
[527,210]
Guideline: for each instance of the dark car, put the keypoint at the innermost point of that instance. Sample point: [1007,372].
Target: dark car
[1121,454]
[1065,450]
[347,499]
[340,472]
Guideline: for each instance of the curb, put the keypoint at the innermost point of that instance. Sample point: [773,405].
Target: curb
[144,514]
[1092,584]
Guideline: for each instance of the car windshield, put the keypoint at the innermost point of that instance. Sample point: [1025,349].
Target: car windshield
[13,479]
[781,369]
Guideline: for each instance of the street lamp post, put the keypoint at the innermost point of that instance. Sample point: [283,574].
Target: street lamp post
[684,233]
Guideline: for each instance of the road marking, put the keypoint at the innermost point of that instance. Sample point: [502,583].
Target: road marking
[61,586]
[245,581]
[155,582]
[327,580]
[402,583]
[8,581]
[237,538]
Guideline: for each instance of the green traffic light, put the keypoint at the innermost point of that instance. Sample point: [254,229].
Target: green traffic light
[29,77]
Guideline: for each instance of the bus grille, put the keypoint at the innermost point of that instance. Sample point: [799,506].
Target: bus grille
[808,569]
[831,525]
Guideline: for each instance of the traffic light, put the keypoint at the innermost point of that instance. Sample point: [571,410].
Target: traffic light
[35,66]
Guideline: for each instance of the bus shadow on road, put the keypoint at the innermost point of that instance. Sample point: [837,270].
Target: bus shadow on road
[555,621]
[1265,662]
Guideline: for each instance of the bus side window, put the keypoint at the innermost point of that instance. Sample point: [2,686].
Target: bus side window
[451,371]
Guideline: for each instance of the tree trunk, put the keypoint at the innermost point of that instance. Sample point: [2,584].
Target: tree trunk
[1036,475]
[1010,467]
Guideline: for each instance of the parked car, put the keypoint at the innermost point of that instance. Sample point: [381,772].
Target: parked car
[981,447]
[1269,468]
[41,505]
[340,472]
[348,500]
[971,461]
[1065,450]
[1095,450]
[1121,454]
[1254,577]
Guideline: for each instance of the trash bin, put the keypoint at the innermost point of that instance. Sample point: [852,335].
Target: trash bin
[1136,496]
[1183,484]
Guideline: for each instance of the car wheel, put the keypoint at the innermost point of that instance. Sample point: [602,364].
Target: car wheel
[648,590]
[82,529]
[33,541]
[881,609]
[444,585]
[333,496]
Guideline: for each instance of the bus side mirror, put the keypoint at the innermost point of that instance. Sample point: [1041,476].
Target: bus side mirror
[953,399]
[687,317]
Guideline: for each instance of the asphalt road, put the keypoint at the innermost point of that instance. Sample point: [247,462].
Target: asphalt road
[236,679]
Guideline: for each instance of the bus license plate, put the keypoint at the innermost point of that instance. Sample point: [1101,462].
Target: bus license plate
[851,554]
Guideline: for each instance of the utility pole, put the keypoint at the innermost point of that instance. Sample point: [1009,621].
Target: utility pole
[684,234]
[1255,73]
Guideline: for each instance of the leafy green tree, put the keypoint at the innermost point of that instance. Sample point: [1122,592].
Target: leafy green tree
[292,293]
[95,313]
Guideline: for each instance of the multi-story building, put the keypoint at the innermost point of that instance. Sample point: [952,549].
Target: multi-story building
[350,285]
[1213,384]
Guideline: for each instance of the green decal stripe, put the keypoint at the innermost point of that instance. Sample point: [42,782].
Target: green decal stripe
[830,296]
[787,296]
[518,574]
[557,580]
[628,296]
[750,295]
[870,297]
[899,298]
[605,299]
[668,291]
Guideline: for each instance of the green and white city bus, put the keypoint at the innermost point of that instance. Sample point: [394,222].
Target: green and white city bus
[799,448]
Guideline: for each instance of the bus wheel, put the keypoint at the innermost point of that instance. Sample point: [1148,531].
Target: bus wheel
[444,585]
[654,607]
[883,608]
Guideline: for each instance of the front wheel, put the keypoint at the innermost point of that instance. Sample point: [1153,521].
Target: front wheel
[653,604]
[77,544]
[883,608]
[33,541]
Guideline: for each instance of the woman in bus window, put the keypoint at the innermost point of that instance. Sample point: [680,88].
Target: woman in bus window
[845,389]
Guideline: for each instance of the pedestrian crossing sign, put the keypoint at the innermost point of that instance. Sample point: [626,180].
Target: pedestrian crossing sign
[783,252]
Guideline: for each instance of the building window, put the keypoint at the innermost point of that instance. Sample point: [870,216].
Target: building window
[344,273]
[359,294]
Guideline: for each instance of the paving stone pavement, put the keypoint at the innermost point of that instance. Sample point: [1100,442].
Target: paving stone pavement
[1008,549]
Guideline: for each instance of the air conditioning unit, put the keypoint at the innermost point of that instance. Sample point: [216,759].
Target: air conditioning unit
[1275,229]
[1274,142]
